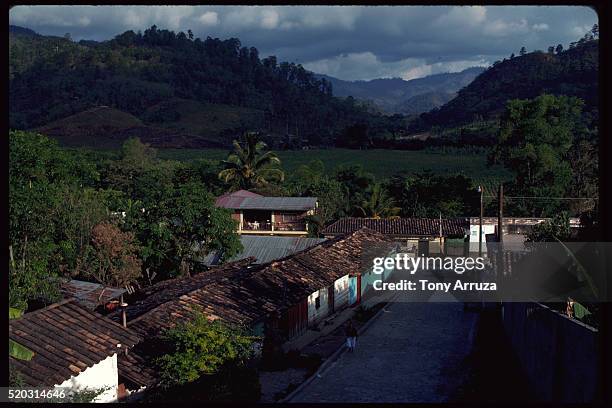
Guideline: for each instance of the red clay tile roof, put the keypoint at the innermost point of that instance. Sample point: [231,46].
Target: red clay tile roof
[402,227]
[240,295]
[172,289]
[136,369]
[66,339]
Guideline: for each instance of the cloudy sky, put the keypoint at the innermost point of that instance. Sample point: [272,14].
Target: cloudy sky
[348,42]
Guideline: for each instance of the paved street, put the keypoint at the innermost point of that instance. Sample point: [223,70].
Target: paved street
[414,352]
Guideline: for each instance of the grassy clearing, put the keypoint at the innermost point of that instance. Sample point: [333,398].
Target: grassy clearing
[381,163]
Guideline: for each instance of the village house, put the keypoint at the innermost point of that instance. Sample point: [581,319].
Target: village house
[73,348]
[510,225]
[261,215]
[422,235]
[286,296]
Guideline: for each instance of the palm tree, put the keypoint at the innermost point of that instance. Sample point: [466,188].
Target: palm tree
[379,204]
[250,165]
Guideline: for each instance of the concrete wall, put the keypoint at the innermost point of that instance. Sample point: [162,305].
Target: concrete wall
[486,229]
[101,375]
[559,354]
[317,314]
[341,292]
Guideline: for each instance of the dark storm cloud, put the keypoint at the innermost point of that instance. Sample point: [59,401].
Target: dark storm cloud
[356,42]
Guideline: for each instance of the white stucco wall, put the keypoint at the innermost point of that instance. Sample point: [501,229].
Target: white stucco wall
[486,229]
[341,292]
[314,314]
[103,374]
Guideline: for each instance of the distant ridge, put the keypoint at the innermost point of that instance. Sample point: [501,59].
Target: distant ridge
[395,95]
[573,72]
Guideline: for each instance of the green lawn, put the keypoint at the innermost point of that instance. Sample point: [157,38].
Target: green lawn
[382,163]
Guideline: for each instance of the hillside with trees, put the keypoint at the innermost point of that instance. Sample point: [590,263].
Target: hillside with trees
[572,72]
[170,81]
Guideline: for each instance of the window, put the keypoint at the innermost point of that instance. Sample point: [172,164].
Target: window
[318,302]
[290,217]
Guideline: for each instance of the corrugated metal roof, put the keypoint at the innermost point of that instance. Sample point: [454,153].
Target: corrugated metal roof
[90,294]
[266,248]
[278,203]
[232,200]
[245,200]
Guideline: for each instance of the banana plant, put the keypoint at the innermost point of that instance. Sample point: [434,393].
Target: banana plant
[16,350]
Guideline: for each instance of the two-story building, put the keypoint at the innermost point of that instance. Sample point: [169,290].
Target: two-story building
[259,215]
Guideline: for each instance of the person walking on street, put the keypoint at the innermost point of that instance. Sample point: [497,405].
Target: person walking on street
[351,336]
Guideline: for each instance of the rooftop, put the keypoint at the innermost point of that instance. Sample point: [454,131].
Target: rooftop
[88,294]
[245,200]
[238,294]
[416,227]
[266,248]
[66,339]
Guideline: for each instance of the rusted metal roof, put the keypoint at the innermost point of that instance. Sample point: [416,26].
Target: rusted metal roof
[402,227]
[231,200]
[88,294]
[245,200]
[265,248]
[66,339]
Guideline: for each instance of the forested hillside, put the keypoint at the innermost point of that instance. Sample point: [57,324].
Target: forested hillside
[573,72]
[396,95]
[167,81]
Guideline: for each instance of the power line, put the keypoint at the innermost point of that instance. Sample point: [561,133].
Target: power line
[544,198]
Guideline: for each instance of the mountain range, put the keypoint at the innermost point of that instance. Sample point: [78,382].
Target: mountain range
[572,72]
[174,91]
[406,97]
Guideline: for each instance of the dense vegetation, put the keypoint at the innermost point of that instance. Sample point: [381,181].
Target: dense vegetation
[572,72]
[196,354]
[158,76]
[123,222]
[547,144]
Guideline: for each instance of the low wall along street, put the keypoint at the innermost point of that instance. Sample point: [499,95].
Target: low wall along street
[558,354]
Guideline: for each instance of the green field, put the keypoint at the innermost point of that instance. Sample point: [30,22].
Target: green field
[381,163]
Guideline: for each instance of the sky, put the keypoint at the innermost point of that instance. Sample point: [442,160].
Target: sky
[347,42]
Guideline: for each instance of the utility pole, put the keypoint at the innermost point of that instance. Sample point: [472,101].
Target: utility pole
[481,191]
[500,216]
[500,233]
[441,244]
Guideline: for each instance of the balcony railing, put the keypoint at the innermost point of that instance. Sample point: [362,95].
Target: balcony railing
[278,226]
[256,226]
[290,226]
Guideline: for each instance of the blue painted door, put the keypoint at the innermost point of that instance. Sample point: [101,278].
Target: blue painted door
[353,290]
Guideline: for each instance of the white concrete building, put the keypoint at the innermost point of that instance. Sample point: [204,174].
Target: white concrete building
[74,349]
